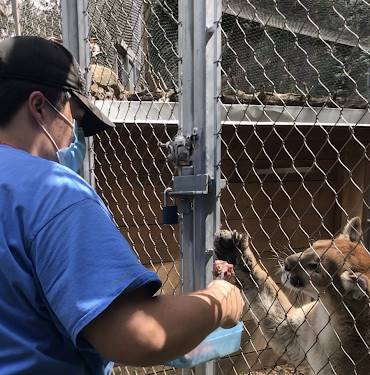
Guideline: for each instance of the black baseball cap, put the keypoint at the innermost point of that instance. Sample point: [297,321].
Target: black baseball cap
[38,60]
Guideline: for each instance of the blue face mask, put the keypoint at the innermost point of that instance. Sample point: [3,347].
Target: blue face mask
[73,155]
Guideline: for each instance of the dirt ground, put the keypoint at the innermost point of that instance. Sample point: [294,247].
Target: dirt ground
[279,370]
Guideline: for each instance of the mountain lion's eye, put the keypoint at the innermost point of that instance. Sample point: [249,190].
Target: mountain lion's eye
[313,267]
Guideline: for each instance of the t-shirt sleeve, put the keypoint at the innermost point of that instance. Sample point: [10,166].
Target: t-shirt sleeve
[83,263]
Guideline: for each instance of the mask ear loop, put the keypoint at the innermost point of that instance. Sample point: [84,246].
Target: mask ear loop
[49,136]
[70,124]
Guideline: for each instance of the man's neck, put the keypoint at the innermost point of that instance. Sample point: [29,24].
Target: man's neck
[13,139]
[21,133]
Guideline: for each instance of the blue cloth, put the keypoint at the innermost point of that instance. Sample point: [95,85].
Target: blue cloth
[62,262]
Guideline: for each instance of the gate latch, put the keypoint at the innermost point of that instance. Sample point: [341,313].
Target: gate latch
[180,148]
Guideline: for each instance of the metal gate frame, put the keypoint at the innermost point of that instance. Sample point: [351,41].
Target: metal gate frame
[200,84]
[75,31]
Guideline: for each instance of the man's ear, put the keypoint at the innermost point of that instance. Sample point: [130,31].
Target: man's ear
[353,230]
[355,284]
[37,106]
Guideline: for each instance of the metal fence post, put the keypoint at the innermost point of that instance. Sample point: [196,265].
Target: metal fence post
[200,81]
[15,12]
[186,125]
[207,155]
[75,31]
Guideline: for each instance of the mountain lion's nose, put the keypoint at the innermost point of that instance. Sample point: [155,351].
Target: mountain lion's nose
[290,262]
[296,281]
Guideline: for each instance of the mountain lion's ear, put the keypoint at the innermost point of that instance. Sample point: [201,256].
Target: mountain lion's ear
[355,284]
[353,229]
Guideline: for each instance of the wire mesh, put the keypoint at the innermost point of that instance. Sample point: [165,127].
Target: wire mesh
[295,158]
[42,18]
[129,42]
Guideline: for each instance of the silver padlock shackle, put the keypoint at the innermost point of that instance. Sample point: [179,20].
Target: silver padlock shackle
[170,215]
[166,194]
[167,190]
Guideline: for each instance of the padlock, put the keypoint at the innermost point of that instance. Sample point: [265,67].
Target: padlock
[169,212]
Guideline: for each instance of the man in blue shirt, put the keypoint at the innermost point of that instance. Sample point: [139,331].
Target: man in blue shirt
[74,297]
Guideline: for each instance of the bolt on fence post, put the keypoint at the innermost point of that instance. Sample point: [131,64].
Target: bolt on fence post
[200,83]
[75,30]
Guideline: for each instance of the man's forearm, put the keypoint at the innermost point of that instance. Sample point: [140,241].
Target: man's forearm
[186,321]
[142,331]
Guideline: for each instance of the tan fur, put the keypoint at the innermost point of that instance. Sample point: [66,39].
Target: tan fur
[331,334]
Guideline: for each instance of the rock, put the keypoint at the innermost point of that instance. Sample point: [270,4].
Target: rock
[105,83]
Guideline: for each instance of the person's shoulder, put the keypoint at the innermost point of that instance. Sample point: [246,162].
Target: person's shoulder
[61,178]
[36,191]
[67,186]
[42,179]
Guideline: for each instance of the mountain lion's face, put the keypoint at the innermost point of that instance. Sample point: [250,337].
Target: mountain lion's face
[340,264]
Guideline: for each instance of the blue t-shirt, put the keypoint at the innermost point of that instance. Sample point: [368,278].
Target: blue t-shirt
[62,262]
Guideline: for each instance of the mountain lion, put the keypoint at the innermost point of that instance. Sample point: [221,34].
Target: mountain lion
[331,334]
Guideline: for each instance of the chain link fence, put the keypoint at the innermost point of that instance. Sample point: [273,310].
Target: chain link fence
[129,41]
[41,18]
[294,103]
[295,157]
[295,138]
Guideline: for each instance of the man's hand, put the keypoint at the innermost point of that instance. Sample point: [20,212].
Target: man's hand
[230,299]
